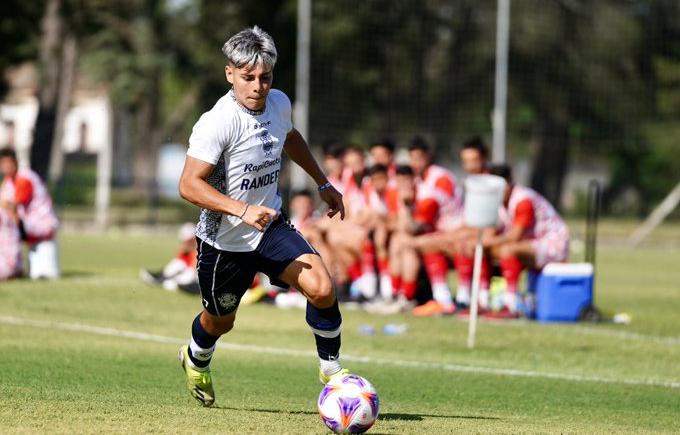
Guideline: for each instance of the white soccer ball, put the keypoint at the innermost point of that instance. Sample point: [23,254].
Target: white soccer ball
[349,404]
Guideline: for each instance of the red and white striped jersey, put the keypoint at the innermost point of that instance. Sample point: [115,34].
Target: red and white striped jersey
[439,198]
[34,204]
[530,210]
[10,247]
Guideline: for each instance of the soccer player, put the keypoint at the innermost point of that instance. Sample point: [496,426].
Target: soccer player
[454,235]
[10,246]
[534,235]
[25,196]
[402,222]
[232,171]
[438,198]
[180,272]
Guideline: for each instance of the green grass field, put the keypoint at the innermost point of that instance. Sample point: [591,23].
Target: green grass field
[96,352]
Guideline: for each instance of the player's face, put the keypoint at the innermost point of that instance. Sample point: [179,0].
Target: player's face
[472,161]
[251,85]
[406,187]
[381,156]
[355,161]
[8,166]
[379,181]
[333,165]
[302,206]
[419,161]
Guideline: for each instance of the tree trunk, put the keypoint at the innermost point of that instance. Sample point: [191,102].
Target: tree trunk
[146,124]
[123,153]
[550,161]
[50,42]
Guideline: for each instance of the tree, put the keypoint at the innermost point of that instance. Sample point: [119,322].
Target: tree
[577,66]
[17,39]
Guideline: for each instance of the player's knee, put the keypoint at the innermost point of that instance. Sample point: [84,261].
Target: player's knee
[217,326]
[322,295]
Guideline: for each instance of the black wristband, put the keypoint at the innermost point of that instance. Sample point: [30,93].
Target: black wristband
[325,186]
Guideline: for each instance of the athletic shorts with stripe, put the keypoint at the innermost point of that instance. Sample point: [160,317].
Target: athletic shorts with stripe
[224,276]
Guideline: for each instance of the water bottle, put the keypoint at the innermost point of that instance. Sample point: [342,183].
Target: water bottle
[366,330]
[395,328]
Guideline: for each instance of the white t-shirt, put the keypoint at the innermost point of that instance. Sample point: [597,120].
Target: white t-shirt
[245,147]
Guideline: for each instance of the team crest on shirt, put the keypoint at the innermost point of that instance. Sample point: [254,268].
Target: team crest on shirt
[267,142]
[228,301]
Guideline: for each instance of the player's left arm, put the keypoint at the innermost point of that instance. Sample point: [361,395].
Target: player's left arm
[297,149]
[522,222]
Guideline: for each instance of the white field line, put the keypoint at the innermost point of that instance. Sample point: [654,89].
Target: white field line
[78,327]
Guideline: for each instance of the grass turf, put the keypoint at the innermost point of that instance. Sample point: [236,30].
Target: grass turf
[59,380]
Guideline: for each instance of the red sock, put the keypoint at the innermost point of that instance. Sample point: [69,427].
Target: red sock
[435,266]
[409,289]
[396,284]
[354,271]
[464,270]
[511,268]
[368,257]
[383,266]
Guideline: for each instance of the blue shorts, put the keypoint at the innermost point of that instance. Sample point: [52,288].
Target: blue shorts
[224,276]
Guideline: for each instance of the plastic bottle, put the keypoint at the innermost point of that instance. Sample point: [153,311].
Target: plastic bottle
[366,330]
[395,328]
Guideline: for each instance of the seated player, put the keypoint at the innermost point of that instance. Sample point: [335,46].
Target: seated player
[305,218]
[23,193]
[439,201]
[180,272]
[350,238]
[454,234]
[376,189]
[404,261]
[10,246]
[534,235]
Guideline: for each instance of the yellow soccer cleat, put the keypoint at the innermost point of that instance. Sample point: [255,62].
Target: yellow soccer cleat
[199,383]
[326,379]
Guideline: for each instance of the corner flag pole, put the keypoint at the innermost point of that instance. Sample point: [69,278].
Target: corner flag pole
[476,273]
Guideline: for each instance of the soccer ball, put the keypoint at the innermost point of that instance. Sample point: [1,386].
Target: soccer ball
[349,404]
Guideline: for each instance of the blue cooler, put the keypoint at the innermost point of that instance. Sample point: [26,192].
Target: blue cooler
[563,291]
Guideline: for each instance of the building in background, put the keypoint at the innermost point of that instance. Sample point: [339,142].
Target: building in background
[87,126]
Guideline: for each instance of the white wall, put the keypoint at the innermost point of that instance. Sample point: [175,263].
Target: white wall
[94,113]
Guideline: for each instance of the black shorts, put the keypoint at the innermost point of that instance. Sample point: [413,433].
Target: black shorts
[224,276]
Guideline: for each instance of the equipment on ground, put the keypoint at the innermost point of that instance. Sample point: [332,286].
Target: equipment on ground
[348,404]
[483,197]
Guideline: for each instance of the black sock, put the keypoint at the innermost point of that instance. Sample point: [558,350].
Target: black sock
[202,344]
[325,324]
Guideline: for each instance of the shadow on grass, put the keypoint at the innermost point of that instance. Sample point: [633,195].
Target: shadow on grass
[390,416]
[269,411]
[418,417]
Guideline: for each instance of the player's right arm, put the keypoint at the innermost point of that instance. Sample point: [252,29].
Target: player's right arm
[194,188]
